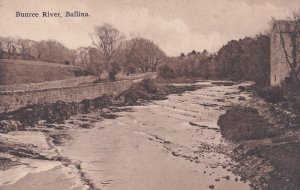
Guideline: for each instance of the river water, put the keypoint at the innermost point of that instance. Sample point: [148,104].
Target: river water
[169,144]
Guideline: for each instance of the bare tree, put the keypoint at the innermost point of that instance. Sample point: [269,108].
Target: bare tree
[72,55]
[24,47]
[39,49]
[2,47]
[107,39]
[145,54]
[52,51]
[60,51]
[290,38]
[129,65]
[9,46]
[83,55]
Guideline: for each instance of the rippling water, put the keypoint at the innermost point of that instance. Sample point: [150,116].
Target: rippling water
[171,144]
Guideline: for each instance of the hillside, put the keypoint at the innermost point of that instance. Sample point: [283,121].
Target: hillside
[22,72]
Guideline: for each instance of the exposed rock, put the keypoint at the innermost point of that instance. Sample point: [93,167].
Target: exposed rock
[243,123]
[6,163]
[224,83]
[226,177]
[241,98]
[10,125]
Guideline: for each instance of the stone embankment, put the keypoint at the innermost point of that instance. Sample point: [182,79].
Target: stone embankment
[13,97]
[10,101]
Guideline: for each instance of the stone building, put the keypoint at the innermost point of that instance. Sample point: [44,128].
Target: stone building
[280,71]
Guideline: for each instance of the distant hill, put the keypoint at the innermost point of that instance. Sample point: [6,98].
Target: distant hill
[22,72]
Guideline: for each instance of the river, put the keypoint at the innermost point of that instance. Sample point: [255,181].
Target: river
[168,144]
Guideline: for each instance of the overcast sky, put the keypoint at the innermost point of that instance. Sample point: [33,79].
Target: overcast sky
[175,25]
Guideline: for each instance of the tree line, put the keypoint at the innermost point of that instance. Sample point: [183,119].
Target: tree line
[111,52]
[244,59]
[45,50]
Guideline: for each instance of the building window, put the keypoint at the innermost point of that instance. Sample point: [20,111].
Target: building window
[275,78]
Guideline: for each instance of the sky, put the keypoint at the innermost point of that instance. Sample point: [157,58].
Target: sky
[175,25]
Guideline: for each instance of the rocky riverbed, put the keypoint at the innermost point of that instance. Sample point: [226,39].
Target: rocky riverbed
[173,142]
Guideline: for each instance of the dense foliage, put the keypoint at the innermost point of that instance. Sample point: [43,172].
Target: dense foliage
[245,59]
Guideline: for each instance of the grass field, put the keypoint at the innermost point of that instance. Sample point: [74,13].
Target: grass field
[22,72]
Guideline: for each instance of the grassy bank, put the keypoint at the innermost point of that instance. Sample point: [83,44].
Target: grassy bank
[23,72]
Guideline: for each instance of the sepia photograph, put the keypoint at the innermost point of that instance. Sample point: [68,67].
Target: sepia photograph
[149,95]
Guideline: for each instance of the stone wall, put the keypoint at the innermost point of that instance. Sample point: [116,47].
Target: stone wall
[10,101]
[52,84]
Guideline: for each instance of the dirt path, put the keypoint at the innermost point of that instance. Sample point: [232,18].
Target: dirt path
[169,144]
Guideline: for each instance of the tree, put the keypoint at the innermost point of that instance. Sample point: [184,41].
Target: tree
[71,55]
[292,56]
[9,46]
[93,65]
[53,51]
[182,55]
[2,47]
[245,59]
[38,49]
[129,66]
[107,39]
[192,53]
[49,53]
[144,54]
[83,56]
[205,53]
[24,47]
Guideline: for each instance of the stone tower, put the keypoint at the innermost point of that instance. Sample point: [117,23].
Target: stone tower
[280,71]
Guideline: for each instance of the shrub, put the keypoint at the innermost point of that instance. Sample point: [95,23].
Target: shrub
[115,68]
[149,85]
[243,123]
[271,94]
[166,71]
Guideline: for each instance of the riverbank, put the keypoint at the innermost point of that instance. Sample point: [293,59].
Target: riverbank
[267,136]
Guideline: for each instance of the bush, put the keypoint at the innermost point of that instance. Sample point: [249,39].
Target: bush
[166,71]
[149,85]
[271,94]
[115,68]
[243,123]
[292,94]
